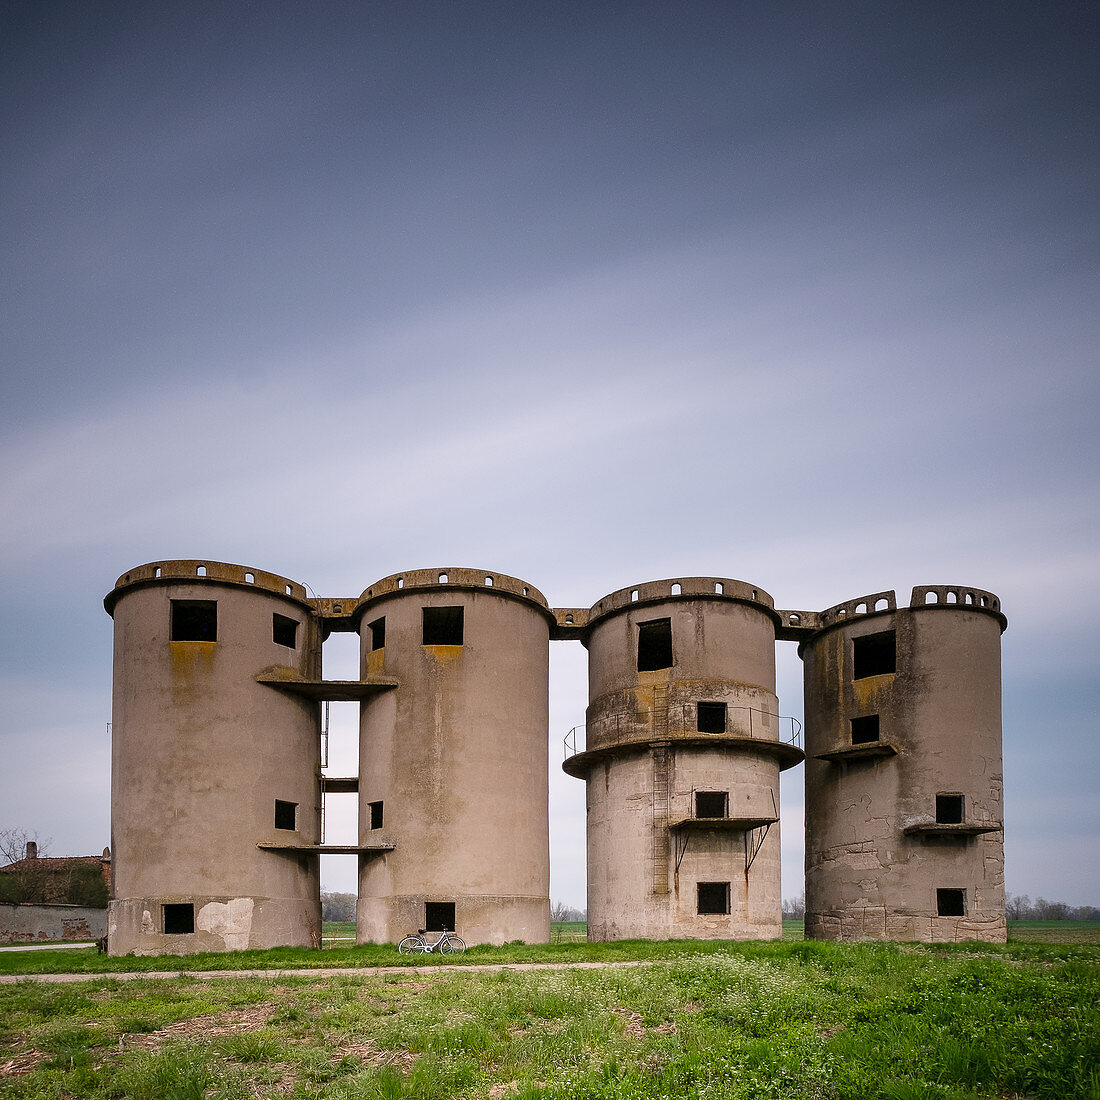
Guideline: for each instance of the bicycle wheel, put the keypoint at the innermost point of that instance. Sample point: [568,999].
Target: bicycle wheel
[450,943]
[412,945]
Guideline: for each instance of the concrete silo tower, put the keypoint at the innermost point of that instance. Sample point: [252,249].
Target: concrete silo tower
[214,773]
[904,835]
[453,761]
[682,759]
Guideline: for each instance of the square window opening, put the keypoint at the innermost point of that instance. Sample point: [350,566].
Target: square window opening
[194,620]
[951,903]
[284,631]
[714,897]
[865,730]
[710,717]
[439,916]
[712,804]
[443,626]
[949,809]
[874,655]
[179,919]
[286,814]
[654,645]
[375,809]
[377,634]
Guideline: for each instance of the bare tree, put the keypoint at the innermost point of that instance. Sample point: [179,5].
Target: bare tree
[27,880]
[795,908]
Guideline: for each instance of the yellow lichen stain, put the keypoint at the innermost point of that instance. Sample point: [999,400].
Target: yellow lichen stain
[444,654]
[190,660]
[866,691]
[375,659]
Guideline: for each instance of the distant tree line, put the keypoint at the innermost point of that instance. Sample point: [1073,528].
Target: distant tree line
[795,908]
[337,907]
[559,911]
[1021,907]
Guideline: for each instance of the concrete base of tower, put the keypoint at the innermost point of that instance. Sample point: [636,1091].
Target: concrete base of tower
[878,922]
[476,918]
[189,925]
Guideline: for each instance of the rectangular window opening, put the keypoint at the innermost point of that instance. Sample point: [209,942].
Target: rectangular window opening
[377,634]
[375,814]
[865,729]
[284,631]
[439,916]
[286,814]
[714,897]
[874,655]
[710,717]
[951,903]
[194,620]
[654,645]
[442,626]
[949,809]
[712,804]
[179,920]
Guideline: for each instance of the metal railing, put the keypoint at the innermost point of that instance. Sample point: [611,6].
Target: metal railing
[755,722]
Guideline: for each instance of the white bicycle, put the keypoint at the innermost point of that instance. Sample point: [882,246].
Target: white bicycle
[446,944]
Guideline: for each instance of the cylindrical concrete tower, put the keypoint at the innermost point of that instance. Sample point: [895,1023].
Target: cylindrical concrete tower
[904,835]
[682,761]
[209,765]
[453,762]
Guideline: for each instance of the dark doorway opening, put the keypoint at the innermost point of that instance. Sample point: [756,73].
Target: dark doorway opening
[710,717]
[949,809]
[654,645]
[439,916]
[951,903]
[712,804]
[865,729]
[442,626]
[286,814]
[284,631]
[194,620]
[874,655]
[714,897]
[179,919]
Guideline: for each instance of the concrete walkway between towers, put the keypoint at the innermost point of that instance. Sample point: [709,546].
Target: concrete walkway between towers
[318,972]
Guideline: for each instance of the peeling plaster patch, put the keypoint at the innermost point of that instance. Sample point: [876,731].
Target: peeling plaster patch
[232,920]
[147,921]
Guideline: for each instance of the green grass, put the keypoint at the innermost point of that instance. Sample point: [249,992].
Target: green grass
[779,1019]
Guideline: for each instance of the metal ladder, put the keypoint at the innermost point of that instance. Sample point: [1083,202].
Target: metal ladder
[660,756]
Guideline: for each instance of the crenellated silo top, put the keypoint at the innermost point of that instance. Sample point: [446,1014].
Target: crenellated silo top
[952,597]
[455,579]
[682,588]
[204,571]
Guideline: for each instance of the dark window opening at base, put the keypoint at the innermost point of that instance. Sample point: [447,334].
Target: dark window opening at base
[375,814]
[710,717]
[951,903]
[286,814]
[865,729]
[439,916]
[949,809]
[179,920]
[654,645]
[712,804]
[377,633]
[874,655]
[284,631]
[442,626]
[714,897]
[194,621]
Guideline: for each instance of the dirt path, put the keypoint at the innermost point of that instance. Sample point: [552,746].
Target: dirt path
[318,972]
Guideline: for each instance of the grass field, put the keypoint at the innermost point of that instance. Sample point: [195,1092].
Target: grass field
[754,1020]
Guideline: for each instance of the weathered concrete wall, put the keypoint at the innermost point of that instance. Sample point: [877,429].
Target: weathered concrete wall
[42,923]
[876,856]
[457,755]
[646,758]
[200,754]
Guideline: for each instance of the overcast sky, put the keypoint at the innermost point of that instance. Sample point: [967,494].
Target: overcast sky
[803,294]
